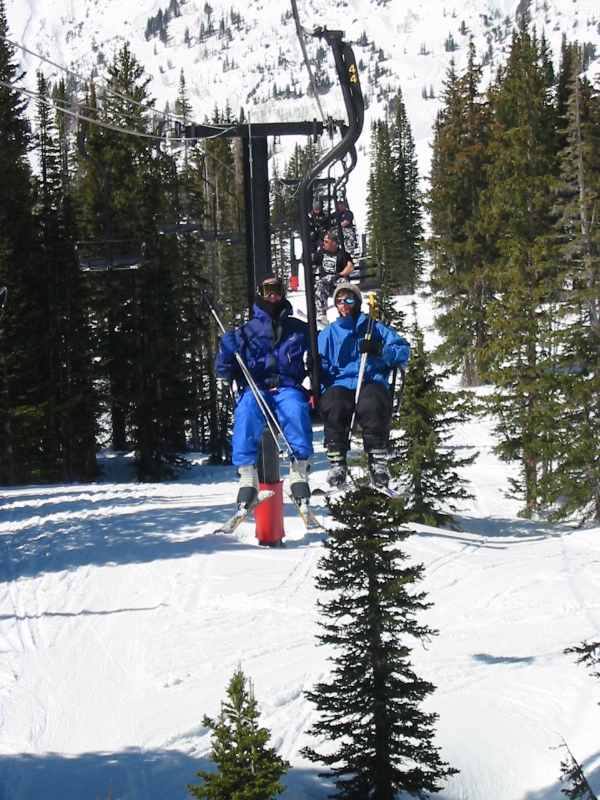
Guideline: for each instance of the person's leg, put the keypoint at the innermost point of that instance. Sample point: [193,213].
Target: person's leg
[374,415]
[336,408]
[248,427]
[293,413]
[321,297]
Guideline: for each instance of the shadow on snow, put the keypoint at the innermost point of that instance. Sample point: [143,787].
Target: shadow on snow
[135,775]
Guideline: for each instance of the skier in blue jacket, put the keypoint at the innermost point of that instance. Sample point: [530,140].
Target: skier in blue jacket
[341,346]
[273,345]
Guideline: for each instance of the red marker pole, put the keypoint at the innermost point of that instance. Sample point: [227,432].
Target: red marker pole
[268,516]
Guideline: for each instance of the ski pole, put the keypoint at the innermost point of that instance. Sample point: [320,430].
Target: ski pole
[3,298]
[363,361]
[270,418]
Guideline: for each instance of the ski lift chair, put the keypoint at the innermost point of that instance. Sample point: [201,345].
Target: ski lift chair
[366,274]
[109,254]
[115,254]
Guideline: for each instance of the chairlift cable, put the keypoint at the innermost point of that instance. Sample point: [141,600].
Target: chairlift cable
[77,115]
[109,91]
[300,32]
[57,106]
[84,80]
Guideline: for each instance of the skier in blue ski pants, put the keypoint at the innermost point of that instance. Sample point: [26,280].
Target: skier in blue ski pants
[272,345]
[292,411]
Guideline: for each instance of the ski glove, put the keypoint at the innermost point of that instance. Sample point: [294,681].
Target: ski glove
[310,361]
[370,346]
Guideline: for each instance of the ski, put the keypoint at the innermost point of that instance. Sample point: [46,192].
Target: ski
[335,490]
[357,484]
[242,512]
[385,490]
[311,523]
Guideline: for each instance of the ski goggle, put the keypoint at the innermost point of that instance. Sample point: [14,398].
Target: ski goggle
[349,301]
[270,288]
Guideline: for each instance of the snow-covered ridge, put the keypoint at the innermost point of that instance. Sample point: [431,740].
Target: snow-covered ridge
[239,53]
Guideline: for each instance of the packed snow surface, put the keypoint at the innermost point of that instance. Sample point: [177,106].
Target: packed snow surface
[123,616]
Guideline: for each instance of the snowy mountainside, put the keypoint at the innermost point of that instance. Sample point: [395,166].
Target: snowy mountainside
[248,55]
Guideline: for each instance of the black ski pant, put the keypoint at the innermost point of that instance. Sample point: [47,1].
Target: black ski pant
[373,414]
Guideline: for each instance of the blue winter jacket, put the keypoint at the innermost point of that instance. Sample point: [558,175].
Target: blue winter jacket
[272,349]
[340,356]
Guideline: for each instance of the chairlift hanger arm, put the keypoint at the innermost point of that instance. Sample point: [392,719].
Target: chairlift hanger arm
[348,76]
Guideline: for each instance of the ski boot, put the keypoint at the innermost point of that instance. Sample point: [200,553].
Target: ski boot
[338,469]
[299,479]
[378,468]
[248,487]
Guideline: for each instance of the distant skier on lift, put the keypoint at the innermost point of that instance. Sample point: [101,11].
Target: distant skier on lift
[273,346]
[319,225]
[353,338]
[344,221]
[332,265]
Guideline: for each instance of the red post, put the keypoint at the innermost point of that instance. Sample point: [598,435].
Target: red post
[268,517]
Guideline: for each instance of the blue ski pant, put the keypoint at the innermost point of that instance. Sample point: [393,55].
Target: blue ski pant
[291,409]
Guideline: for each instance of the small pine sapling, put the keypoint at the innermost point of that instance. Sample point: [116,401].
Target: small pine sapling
[246,768]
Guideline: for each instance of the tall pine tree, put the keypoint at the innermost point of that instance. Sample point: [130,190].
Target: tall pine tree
[428,470]
[136,314]
[515,215]
[378,741]
[394,216]
[23,408]
[65,369]
[571,483]
[457,178]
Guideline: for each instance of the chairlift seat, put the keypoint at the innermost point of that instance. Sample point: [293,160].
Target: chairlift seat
[181,224]
[116,254]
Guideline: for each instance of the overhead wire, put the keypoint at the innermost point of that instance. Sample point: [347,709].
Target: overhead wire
[300,31]
[58,106]
[147,107]
[219,130]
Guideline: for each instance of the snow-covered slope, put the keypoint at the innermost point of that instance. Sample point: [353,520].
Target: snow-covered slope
[123,618]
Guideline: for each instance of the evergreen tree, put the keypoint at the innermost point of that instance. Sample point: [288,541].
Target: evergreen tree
[573,774]
[571,483]
[247,769]
[571,771]
[220,181]
[65,374]
[409,267]
[22,401]
[427,468]
[381,193]
[394,216]
[457,180]
[136,314]
[378,739]
[515,213]
[192,205]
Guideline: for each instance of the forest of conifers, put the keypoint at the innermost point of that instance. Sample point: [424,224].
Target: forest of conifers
[124,358]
